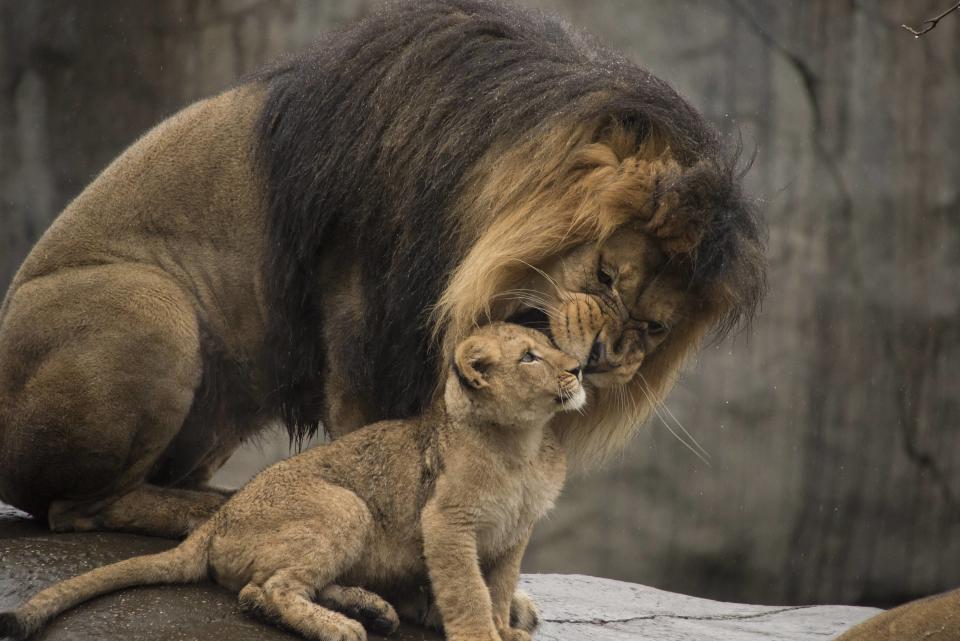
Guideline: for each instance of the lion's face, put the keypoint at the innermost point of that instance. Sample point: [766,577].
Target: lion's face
[610,305]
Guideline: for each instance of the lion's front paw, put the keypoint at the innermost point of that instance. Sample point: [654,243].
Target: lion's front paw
[73,525]
[64,517]
[524,615]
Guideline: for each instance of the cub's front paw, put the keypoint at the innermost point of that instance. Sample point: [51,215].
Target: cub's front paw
[350,631]
[514,634]
[340,629]
[486,634]
[523,613]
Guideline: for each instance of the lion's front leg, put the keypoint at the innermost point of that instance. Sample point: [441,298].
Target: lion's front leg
[348,404]
[345,411]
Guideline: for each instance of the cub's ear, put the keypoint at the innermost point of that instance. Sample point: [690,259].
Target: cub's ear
[473,359]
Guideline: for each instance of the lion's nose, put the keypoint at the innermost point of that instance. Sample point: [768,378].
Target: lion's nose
[597,353]
[576,371]
[599,361]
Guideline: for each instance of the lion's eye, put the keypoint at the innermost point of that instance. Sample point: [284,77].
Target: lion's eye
[528,357]
[656,329]
[604,277]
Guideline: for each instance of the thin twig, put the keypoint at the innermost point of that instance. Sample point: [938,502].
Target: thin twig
[928,25]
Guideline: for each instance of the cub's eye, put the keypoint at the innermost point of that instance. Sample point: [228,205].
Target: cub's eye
[604,277]
[528,357]
[656,329]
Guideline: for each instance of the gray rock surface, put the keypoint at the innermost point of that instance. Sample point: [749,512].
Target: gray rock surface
[577,608]
[573,607]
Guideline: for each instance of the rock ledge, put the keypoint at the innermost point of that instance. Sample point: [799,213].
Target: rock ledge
[574,607]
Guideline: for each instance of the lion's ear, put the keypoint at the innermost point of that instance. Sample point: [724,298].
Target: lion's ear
[473,359]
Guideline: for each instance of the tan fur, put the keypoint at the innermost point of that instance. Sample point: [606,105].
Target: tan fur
[559,201]
[935,618]
[161,259]
[101,330]
[450,497]
[345,409]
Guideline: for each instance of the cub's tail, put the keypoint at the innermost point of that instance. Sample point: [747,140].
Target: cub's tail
[186,563]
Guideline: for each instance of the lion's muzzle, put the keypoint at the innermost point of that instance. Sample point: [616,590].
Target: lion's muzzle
[609,349]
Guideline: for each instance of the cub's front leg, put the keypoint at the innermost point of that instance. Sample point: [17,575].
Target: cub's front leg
[450,549]
[502,578]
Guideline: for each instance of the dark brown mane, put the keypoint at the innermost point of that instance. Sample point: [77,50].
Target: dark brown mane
[371,135]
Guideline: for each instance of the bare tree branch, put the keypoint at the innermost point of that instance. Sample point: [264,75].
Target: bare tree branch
[928,25]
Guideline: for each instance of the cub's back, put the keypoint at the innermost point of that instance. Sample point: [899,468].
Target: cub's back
[382,463]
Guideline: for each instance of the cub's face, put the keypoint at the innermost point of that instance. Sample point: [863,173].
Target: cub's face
[609,305]
[514,374]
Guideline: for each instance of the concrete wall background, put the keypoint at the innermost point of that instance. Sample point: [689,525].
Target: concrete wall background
[832,426]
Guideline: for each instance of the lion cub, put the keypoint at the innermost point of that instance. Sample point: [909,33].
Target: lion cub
[447,500]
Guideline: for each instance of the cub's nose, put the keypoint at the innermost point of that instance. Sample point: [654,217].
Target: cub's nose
[576,371]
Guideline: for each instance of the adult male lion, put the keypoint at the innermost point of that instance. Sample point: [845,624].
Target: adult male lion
[308,245]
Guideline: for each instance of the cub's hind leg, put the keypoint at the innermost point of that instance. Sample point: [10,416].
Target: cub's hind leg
[310,562]
[371,609]
[286,600]
[286,546]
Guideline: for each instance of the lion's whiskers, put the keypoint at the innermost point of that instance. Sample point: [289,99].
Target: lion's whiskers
[539,297]
[679,424]
[560,293]
[531,298]
[656,406]
[532,303]
[633,401]
[622,400]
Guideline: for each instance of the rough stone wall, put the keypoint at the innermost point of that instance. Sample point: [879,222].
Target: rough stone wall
[835,471]
[79,81]
[832,426]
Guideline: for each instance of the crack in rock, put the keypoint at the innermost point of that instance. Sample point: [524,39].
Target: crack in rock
[689,617]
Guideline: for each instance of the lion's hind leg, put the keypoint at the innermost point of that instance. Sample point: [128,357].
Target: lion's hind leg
[101,365]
